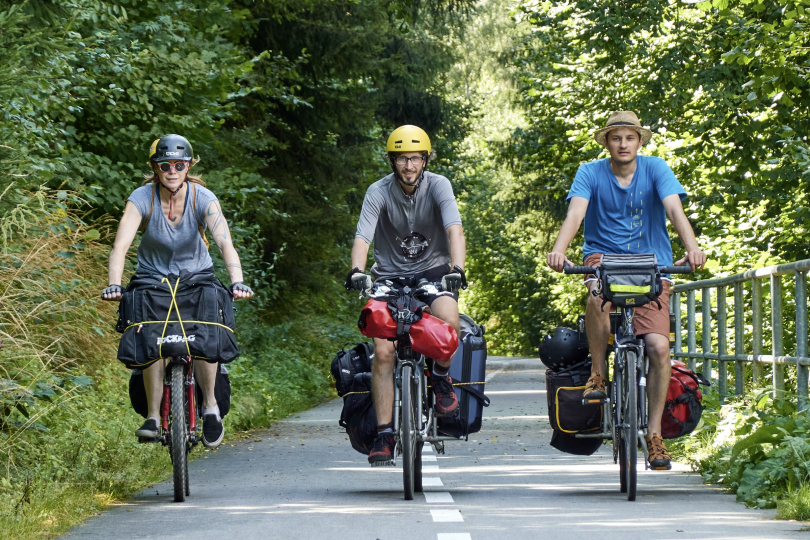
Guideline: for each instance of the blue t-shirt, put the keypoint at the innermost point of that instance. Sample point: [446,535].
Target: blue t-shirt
[627,220]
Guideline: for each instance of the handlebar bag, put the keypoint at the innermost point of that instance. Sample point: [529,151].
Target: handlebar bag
[434,338]
[630,280]
[683,407]
[187,315]
[376,321]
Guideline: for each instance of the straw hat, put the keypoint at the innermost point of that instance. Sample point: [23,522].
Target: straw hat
[620,119]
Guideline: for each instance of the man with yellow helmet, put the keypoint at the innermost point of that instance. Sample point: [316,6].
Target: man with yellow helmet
[412,218]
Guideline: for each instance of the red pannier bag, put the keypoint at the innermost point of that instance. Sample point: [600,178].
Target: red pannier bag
[683,407]
[429,336]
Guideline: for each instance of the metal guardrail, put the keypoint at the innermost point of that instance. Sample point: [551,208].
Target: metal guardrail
[746,351]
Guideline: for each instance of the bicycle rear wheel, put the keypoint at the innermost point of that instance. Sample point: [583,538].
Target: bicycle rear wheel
[630,424]
[179,432]
[408,432]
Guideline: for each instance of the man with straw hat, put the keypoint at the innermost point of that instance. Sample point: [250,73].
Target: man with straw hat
[625,201]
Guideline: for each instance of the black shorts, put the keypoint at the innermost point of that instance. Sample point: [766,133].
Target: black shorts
[433,275]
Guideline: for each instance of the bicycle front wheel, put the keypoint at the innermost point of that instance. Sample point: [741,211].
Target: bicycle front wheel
[179,432]
[630,424]
[408,432]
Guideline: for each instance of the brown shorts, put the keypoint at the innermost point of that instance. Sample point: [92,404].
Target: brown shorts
[646,319]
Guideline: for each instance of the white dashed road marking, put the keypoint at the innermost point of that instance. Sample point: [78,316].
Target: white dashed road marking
[455,536]
[430,468]
[438,497]
[442,515]
[428,458]
[432,482]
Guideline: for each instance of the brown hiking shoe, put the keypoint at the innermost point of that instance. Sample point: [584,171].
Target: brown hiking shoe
[595,388]
[659,457]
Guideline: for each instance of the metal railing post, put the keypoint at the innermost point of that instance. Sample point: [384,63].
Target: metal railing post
[676,310]
[739,337]
[722,366]
[778,371]
[801,339]
[706,331]
[691,338]
[756,308]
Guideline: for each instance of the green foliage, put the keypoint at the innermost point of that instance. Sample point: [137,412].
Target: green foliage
[757,446]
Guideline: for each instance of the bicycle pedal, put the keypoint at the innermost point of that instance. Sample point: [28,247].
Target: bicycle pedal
[147,440]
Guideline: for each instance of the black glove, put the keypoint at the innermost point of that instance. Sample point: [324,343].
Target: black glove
[357,280]
[240,286]
[455,280]
[112,289]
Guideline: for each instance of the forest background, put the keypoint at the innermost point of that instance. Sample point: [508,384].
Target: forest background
[289,103]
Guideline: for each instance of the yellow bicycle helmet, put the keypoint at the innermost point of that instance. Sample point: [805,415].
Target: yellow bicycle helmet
[408,139]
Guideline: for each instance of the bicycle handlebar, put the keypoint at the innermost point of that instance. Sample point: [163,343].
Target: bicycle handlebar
[570,269]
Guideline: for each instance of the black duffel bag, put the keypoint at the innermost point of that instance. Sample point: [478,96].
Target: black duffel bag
[222,392]
[189,315]
[566,413]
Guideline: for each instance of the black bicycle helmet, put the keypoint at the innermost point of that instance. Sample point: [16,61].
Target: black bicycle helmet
[561,350]
[171,147]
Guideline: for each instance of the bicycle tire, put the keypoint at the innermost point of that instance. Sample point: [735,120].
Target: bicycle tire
[179,432]
[630,424]
[618,434]
[417,456]
[408,432]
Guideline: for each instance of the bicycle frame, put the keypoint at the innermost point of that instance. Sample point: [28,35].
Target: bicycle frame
[623,335]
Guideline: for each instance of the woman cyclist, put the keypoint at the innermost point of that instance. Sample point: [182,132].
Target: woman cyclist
[173,244]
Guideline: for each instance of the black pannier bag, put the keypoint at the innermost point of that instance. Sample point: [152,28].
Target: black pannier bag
[351,369]
[359,416]
[222,392]
[630,280]
[176,316]
[349,362]
[468,371]
[566,413]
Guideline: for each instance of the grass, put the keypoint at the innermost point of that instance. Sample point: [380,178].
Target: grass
[795,505]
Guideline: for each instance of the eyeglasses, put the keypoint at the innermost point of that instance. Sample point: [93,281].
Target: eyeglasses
[415,160]
[180,166]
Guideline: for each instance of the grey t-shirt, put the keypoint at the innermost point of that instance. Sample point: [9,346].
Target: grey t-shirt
[408,232]
[171,249]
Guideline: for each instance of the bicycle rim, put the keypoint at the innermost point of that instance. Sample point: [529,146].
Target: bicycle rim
[407,432]
[179,433]
[630,421]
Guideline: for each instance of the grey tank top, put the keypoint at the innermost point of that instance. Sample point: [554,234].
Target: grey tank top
[408,231]
[167,249]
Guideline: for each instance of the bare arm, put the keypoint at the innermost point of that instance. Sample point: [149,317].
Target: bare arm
[573,220]
[359,253]
[218,225]
[674,208]
[127,229]
[458,246]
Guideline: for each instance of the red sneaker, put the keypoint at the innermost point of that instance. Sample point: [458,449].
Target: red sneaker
[382,451]
[446,399]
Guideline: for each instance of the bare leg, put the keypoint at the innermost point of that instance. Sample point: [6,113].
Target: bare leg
[153,382]
[206,375]
[446,309]
[382,380]
[597,327]
[657,379]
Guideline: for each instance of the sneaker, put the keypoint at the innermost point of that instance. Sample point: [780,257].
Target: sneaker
[595,388]
[382,451]
[659,457]
[149,429]
[446,399]
[213,431]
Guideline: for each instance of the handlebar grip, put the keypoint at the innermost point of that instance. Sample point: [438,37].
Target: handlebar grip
[568,269]
[685,269]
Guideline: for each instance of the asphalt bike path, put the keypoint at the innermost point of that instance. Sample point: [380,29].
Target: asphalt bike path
[300,479]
